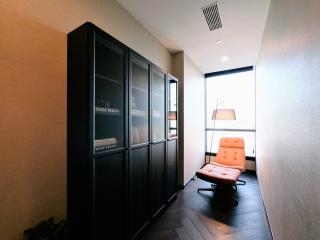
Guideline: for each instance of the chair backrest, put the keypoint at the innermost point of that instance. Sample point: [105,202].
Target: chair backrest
[231,153]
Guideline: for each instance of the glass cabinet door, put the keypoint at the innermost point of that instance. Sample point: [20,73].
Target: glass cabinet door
[172,111]
[109,95]
[139,101]
[158,105]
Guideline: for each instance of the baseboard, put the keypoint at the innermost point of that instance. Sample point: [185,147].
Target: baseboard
[250,165]
[174,197]
[265,210]
[181,187]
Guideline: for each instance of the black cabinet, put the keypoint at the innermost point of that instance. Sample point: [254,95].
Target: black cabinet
[122,162]
[171,169]
[157,177]
[110,195]
[139,182]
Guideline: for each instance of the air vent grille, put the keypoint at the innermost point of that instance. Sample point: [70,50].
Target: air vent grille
[211,13]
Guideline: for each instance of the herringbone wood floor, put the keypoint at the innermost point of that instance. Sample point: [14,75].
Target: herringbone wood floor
[203,216]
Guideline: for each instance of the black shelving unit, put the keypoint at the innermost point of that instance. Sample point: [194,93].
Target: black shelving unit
[122,153]
[172,137]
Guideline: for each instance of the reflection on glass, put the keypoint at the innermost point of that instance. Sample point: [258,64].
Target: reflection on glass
[158,105]
[139,101]
[172,114]
[109,95]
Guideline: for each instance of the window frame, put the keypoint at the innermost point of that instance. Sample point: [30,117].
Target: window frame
[221,73]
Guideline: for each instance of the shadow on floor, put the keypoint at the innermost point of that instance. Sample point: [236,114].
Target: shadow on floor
[205,215]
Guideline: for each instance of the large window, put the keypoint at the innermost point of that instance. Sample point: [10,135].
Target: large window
[231,90]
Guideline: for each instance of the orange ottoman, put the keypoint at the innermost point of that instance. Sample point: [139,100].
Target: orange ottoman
[218,174]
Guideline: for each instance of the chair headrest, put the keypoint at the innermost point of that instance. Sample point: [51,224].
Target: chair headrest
[229,142]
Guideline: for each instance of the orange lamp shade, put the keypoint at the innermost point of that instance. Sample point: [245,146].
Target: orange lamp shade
[172,115]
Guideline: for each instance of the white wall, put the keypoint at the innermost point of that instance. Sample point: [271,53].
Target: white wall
[288,113]
[194,119]
[192,116]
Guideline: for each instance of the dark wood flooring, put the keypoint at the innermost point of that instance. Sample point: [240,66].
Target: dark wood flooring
[204,216]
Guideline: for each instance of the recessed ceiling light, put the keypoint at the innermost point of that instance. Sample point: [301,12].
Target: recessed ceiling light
[219,41]
[224,58]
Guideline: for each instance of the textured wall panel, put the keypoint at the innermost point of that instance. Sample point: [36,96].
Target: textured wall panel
[288,113]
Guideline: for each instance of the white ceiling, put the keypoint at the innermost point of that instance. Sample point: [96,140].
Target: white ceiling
[180,25]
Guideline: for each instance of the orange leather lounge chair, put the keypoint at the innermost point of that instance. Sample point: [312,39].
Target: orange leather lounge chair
[224,172]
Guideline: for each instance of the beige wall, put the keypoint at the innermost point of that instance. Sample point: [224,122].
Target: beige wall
[32,124]
[64,16]
[178,71]
[288,113]
[33,71]
[192,116]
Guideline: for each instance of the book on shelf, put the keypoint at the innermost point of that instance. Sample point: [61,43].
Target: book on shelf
[137,112]
[135,135]
[104,144]
[107,110]
[156,113]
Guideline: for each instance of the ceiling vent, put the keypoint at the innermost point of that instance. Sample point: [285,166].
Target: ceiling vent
[211,13]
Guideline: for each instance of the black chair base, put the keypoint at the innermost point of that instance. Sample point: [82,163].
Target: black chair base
[222,189]
[241,182]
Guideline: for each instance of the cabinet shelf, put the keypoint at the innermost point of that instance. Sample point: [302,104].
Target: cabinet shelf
[108,114]
[139,89]
[108,79]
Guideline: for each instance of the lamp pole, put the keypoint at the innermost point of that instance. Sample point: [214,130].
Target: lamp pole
[214,124]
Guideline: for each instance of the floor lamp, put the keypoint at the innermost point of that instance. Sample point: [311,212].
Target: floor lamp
[220,114]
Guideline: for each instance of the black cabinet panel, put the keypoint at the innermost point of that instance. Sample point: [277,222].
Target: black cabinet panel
[139,182]
[110,65]
[158,174]
[172,107]
[158,105]
[139,100]
[110,196]
[172,168]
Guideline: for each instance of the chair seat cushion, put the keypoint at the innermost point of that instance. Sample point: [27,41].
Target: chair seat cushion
[217,174]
